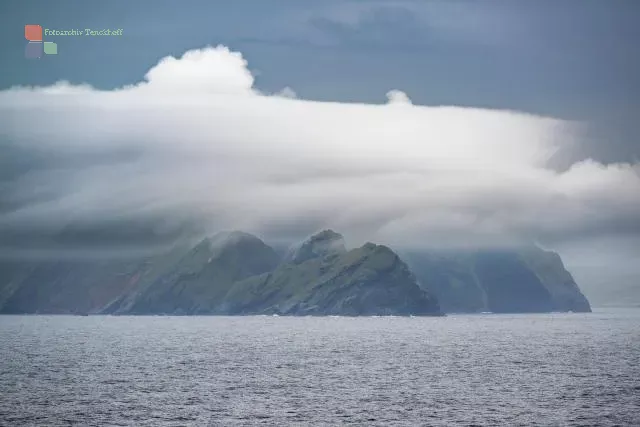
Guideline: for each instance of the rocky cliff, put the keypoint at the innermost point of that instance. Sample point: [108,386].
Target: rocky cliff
[518,280]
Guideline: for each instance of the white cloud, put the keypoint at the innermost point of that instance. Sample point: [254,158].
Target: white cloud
[196,140]
[216,70]
[398,97]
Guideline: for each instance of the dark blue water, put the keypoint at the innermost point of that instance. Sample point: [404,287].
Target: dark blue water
[558,369]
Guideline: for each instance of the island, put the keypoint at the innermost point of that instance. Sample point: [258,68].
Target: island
[237,273]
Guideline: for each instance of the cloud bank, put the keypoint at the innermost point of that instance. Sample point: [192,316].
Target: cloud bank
[195,147]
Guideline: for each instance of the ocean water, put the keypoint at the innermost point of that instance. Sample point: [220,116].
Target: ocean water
[543,369]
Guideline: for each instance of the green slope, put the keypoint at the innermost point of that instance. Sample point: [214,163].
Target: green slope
[370,280]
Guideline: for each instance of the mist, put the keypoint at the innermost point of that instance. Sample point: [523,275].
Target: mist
[194,148]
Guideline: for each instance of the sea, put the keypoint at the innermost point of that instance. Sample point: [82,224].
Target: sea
[488,369]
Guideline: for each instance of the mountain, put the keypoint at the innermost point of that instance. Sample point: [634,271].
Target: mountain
[370,280]
[229,273]
[237,273]
[196,282]
[509,281]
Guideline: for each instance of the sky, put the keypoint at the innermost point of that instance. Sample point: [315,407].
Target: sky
[413,123]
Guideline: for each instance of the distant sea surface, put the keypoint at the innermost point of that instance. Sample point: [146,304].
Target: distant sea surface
[542,369]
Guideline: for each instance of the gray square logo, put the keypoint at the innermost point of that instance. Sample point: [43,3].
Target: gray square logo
[33,50]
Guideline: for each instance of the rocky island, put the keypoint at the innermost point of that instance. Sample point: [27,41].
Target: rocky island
[236,273]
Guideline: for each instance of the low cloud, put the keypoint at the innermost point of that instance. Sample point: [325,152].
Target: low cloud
[194,146]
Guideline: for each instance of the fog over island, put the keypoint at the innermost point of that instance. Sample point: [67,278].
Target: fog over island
[194,147]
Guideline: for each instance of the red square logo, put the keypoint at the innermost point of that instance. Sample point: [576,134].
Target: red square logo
[33,33]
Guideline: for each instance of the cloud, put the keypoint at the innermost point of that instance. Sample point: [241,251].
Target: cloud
[398,97]
[196,144]
[287,92]
[208,70]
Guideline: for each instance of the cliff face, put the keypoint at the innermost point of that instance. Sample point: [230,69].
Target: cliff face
[517,281]
[548,267]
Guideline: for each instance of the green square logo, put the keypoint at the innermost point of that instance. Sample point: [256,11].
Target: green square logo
[50,48]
